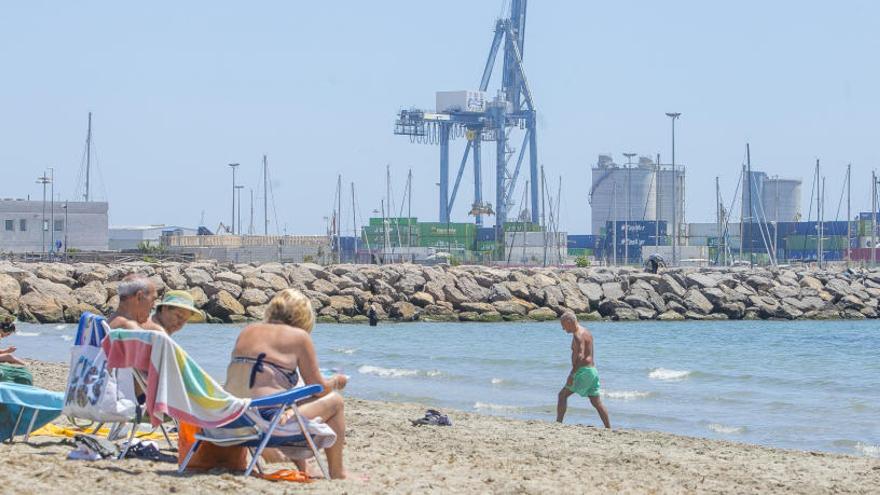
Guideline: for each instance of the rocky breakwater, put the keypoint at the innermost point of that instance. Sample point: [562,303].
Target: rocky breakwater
[56,292]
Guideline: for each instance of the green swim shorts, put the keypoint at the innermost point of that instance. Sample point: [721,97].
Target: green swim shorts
[585,382]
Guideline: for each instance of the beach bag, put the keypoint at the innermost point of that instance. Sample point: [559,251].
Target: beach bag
[93,391]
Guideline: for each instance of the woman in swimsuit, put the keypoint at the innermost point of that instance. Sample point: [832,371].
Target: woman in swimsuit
[278,354]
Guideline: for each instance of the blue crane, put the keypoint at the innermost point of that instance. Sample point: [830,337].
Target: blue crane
[497,120]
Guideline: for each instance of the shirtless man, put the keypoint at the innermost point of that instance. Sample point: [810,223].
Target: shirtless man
[583,379]
[137,294]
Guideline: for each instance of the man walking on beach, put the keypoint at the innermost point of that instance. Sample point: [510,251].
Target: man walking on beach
[583,378]
[137,294]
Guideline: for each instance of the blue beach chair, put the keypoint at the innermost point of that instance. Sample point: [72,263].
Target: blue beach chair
[24,408]
[183,390]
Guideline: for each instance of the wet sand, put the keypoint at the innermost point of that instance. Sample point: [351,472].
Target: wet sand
[479,454]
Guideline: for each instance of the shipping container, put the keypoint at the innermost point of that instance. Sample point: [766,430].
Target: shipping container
[485,234]
[582,241]
[647,229]
[535,239]
[522,227]
[808,243]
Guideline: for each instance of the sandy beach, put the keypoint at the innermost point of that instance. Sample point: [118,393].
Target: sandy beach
[479,454]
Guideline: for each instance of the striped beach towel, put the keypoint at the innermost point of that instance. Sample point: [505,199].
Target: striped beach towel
[176,385]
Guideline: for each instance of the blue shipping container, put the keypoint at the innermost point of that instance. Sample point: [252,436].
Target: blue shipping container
[582,241]
[485,234]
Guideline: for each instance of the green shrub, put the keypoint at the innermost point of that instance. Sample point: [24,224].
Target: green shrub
[582,262]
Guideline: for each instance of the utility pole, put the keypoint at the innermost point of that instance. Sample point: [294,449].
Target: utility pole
[66,209]
[233,166]
[718,219]
[629,157]
[251,225]
[873,217]
[52,209]
[88,156]
[238,200]
[751,202]
[657,205]
[674,116]
[43,180]
[543,211]
[614,225]
[265,196]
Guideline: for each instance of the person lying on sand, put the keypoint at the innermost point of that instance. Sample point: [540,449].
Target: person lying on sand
[137,294]
[7,328]
[269,357]
[174,310]
[583,378]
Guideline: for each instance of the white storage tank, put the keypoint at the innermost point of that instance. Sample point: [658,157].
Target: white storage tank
[622,193]
[781,199]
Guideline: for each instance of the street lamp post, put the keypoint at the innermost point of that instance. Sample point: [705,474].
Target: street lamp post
[629,157]
[238,201]
[43,180]
[673,117]
[65,228]
[52,210]
[233,166]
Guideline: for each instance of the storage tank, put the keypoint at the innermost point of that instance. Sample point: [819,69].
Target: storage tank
[664,195]
[621,193]
[781,199]
[757,186]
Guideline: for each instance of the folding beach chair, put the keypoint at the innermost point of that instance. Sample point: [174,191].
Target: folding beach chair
[97,394]
[178,387]
[25,408]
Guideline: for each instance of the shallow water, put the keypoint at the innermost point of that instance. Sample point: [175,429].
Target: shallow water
[803,385]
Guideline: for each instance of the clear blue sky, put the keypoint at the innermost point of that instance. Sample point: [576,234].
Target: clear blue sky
[180,89]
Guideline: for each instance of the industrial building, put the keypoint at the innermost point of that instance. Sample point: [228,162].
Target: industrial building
[641,191]
[46,226]
[252,248]
[129,238]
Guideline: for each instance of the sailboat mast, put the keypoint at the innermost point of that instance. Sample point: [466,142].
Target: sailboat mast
[265,195]
[848,216]
[751,202]
[409,209]
[339,217]
[88,156]
[354,218]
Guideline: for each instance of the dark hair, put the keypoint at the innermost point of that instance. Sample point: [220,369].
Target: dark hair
[8,325]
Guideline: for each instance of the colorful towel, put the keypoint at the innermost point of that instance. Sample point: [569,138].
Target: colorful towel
[176,385]
[34,400]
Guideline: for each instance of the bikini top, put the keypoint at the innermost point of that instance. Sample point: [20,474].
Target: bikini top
[258,366]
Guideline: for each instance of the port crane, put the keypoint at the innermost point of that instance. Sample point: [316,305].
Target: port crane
[510,112]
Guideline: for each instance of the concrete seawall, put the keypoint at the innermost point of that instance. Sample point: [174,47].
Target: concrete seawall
[57,292]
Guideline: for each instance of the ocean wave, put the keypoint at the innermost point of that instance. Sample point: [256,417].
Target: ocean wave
[61,327]
[396,372]
[342,350]
[497,381]
[67,338]
[668,375]
[626,394]
[726,430]
[488,406]
[867,449]
[27,334]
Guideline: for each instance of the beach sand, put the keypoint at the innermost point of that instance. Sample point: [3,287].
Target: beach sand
[479,454]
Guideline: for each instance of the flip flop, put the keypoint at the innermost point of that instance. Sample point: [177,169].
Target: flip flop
[286,475]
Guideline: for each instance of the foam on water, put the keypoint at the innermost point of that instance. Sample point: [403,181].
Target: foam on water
[868,450]
[60,327]
[67,338]
[488,406]
[668,375]
[27,334]
[726,430]
[626,394]
[339,350]
[497,381]
[386,372]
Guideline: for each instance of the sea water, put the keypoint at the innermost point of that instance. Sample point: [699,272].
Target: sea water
[805,385]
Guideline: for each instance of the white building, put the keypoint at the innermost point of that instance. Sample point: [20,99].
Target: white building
[35,226]
[132,237]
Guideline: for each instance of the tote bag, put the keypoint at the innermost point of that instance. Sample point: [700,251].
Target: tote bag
[93,391]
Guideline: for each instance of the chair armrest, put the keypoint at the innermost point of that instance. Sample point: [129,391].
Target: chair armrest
[288,397]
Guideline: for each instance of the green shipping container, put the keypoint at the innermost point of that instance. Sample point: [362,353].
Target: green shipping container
[521,227]
[378,221]
[808,243]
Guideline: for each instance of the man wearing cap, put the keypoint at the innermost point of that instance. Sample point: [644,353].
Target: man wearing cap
[175,309]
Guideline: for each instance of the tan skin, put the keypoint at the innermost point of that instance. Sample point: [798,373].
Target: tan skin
[133,312]
[581,356]
[293,349]
[6,354]
[171,319]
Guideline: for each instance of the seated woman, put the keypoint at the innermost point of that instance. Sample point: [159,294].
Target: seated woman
[175,309]
[269,357]
[7,328]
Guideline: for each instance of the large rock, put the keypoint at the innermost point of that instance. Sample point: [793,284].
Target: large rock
[10,292]
[224,306]
[197,277]
[767,306]
[573,298]
[214,287]
[405,311]
[499,292]
[810,282]
[670,316]
[275,281]
[93,294]
[668,285]
[254,282]
[700,280]
[172,277]
[230,277]
[838,288]
[695,301]
[422,299]
[477,307]
[253,297]
[410,283]
[344,305]
[514,307]
[58,273]
[626,314]
[592,291]
[323,286]
[42,307]
[612,291]
[542,314]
